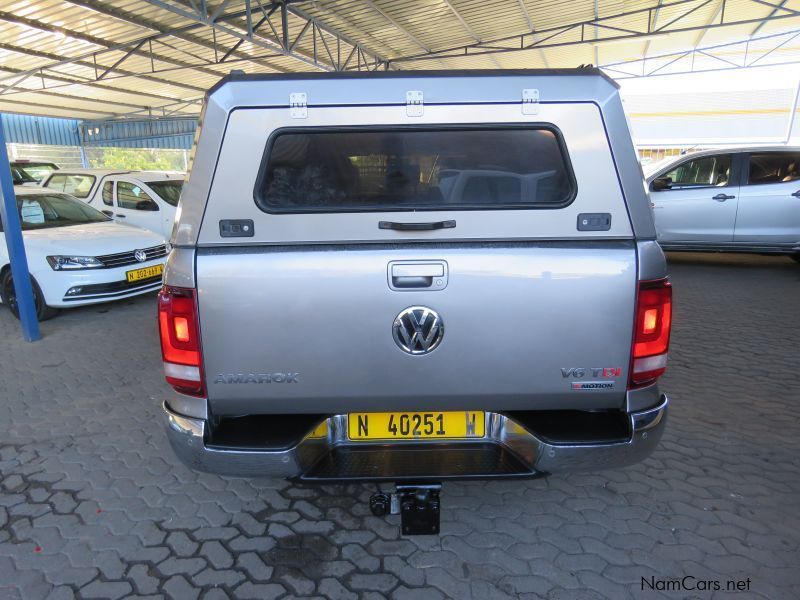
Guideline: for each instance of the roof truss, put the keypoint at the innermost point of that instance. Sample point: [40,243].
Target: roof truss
[613,27]
[171,51]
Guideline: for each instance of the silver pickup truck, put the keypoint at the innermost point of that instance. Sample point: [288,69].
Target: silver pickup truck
[414,276]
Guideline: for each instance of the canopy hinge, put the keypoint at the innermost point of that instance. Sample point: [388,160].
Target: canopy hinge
[298,105]
[530,102]
[414,103]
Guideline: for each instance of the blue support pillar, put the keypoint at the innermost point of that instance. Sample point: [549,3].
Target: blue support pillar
[16,248]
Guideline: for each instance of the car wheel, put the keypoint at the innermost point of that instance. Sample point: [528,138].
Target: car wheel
[796,257]
[43,312]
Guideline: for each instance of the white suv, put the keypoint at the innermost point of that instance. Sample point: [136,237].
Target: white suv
[147,199]
[733,199]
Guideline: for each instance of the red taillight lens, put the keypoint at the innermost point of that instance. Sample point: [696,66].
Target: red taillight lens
[180,340]
[651,332]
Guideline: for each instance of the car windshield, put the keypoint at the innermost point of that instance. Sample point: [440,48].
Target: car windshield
[19,176]
[168,191]
[36,171]
[42,211]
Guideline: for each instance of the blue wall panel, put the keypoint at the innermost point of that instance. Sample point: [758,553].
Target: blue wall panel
[150,133]
[26,129]
[163,133]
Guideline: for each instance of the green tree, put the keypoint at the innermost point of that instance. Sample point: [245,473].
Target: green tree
[136,159]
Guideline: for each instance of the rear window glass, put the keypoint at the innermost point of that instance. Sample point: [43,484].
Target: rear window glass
[168,191]
[76,185]
[37,171]
[415,169]
[774,167]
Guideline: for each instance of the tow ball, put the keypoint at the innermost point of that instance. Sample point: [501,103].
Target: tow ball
[418,507]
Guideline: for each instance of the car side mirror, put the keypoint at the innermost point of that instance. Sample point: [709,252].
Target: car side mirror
[146,205]
[660,184]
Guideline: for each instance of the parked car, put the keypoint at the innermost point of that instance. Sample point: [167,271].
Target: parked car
[146,199]
[397,291]
[77,255]
[35,169]
[731,199]
[20,177]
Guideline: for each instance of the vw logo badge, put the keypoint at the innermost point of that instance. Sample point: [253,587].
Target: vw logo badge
[418,330]
[140,255]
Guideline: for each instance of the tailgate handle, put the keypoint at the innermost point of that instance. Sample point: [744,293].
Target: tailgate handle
[430,226]
[431,275]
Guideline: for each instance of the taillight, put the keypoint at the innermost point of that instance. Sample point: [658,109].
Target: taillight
[651,332]
[180,340]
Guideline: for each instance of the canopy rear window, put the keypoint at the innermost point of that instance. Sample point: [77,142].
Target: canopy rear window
[415,169]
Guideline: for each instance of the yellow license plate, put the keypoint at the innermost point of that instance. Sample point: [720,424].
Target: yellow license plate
[415,425]
[145,273]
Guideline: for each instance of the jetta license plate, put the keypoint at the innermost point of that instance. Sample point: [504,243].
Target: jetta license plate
[415,425]
[145,273]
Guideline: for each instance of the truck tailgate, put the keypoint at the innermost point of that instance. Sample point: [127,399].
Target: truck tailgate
[309,329]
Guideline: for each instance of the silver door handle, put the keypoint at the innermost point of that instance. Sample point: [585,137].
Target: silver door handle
[411,275]
[722,197]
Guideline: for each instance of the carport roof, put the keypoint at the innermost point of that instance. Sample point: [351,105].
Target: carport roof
[93,59]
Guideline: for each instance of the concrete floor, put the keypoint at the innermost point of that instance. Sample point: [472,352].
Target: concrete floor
[93,503]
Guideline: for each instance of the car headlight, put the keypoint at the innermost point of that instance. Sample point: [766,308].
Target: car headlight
[72,263]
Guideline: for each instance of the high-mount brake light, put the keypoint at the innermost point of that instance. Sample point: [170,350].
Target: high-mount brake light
[651,332]
[180,340]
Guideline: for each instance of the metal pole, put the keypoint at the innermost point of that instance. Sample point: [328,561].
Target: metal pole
[16,248]
[793,114]
[81,147]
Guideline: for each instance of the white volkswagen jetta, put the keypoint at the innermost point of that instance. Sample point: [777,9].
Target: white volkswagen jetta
[77,255]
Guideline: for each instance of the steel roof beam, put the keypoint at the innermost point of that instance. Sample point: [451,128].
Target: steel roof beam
[136,46]
[760,26]
[397,25]
[61,78]
[555,36]
[532,27]
[257,39]
[33,24]
[468,29]
[650,26]
[781,39]
[716,15]
[324,7]
[49,108]
[50,92]
[182,33]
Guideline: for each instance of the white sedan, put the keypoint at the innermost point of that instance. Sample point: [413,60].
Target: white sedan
[77,255]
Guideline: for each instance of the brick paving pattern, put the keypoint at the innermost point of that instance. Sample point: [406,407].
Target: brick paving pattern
[93,503]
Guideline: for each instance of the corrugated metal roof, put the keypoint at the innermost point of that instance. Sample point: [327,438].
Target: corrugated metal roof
[102,59]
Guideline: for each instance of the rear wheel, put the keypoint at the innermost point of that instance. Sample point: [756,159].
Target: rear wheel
[9,294]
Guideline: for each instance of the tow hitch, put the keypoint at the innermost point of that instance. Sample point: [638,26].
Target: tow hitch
[417,505]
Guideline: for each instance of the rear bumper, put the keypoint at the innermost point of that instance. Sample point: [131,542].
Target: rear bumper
[508,450]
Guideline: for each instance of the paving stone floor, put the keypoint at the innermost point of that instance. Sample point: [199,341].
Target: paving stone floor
[93,503]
